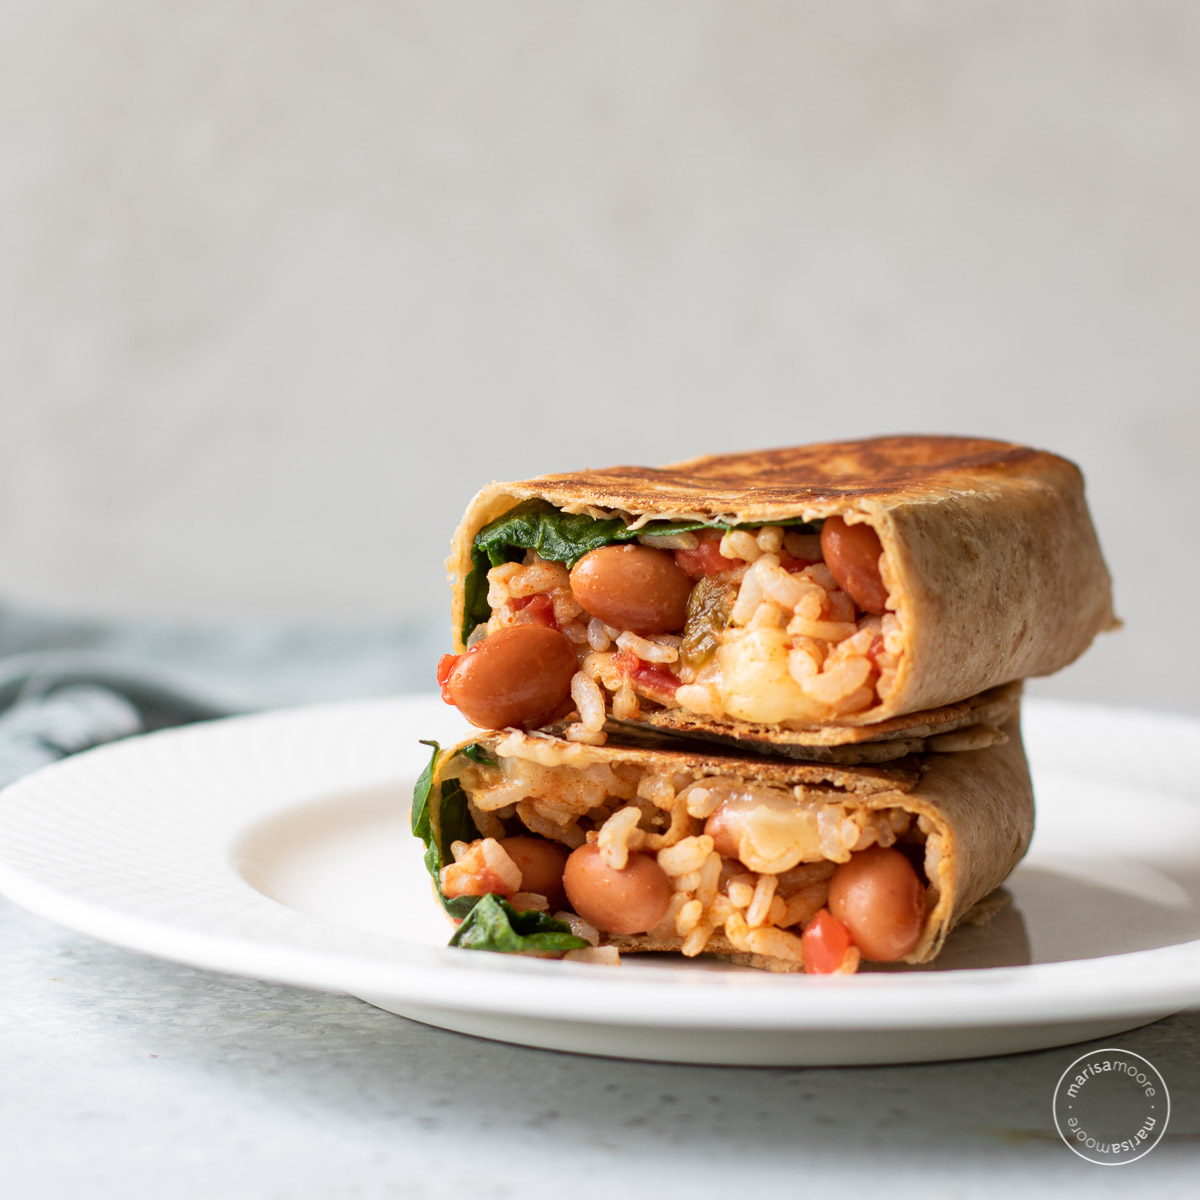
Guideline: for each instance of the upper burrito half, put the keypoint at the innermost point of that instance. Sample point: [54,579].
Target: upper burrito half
[836,585]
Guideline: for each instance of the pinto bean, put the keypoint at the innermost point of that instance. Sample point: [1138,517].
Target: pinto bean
[852,556]
[882,902]
[541,864]
[518,676]
[632,900]
[632,587]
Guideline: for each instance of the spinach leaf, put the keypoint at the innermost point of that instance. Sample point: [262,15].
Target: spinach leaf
[493,924]
[488,922]
[454,824]
[559,537]
[476,753]
[533,525]
[419,816]
[537,525]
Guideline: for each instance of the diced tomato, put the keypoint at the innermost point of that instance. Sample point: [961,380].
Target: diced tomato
[446,664]
[538,609]
[788,563]
[656,680]
[875,649]
[825,941]
[706,559]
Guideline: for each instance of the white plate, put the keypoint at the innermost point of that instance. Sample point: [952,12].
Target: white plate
[276,846]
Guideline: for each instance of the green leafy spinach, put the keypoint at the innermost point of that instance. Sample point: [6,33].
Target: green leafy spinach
[559,537]
[488,923]
[476,753]
[454,824]
[493,924]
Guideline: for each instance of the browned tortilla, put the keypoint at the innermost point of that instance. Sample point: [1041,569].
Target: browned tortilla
[979,801]
[991,560]
[969,725]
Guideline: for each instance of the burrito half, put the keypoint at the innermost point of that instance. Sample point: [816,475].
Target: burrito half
[539,845]
[790,596]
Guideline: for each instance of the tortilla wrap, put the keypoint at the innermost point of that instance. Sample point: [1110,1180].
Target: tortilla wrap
[971,724]
[975,810]
[990,560]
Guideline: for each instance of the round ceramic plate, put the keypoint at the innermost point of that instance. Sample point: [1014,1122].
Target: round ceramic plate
[276,846]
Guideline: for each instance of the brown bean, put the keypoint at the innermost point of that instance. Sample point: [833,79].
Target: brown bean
[631,900]
[542,864]
[518,676]
[852,556]
[881,900]
[632,587]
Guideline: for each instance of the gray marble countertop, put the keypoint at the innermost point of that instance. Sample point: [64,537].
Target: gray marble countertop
[123,1076]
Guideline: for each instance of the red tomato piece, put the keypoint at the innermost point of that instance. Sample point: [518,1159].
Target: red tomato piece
[538,609]
[706,559]
[446,664]
[656,679]
[788,563]
[825,941]
[647,675]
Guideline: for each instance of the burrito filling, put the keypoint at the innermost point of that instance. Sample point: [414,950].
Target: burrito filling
[784,624]
[624,856]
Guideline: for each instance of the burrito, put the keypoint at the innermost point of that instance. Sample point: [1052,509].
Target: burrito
[800,598]
[539,845]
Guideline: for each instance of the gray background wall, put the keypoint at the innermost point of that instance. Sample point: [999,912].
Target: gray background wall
[283,284]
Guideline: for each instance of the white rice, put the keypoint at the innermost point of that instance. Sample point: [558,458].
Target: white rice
[648,650]
[785,590]
[685,856]
[759,908]
[824,631]
[689,917]
[597,635]
[658,789]
[695,941]
[770,539]
[578,732]
[750,596]
[776,943]
[618,836]
[701,802]
[739,543]
[539,576]
[625,702]
[589,701]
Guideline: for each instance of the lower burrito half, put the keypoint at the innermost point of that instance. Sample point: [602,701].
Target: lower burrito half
[541,845]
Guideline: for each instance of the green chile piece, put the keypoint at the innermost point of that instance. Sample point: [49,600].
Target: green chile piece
[708,611]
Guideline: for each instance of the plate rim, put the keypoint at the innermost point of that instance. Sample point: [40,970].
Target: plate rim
[1156,980]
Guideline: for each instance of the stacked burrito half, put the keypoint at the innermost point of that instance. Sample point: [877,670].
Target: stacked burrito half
[763,706]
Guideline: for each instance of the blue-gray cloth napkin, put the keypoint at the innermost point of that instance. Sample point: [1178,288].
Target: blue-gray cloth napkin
[69,683]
